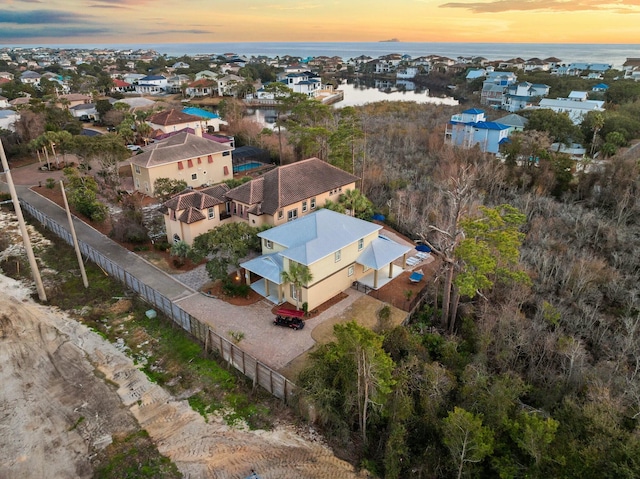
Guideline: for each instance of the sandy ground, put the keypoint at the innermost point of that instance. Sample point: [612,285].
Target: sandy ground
[54,371]
[65,392]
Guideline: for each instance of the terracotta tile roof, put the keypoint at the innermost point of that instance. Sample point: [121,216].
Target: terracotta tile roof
[172,117]
[290,184]
[249,193]
[120,83]
[191,215]
[180,147]
[192,202]
[202,82]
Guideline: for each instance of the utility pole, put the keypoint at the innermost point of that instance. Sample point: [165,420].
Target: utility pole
[85,281]
[23,228]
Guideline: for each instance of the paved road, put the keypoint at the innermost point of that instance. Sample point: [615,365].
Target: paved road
[274,346]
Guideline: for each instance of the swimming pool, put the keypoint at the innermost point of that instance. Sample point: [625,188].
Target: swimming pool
[247,166]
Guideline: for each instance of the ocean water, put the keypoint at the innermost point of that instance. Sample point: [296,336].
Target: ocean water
[614,54]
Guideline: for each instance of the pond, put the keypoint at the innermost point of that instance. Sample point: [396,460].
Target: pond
[361,94]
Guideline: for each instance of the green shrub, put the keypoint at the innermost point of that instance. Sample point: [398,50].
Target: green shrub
[50,183]
[236,290]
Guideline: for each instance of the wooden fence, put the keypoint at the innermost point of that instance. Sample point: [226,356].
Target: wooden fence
[261,374]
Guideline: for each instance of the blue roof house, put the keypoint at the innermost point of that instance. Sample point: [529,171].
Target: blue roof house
[470,128]
[337,249]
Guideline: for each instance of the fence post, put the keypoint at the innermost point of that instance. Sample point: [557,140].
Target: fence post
[255,375]
[270,381]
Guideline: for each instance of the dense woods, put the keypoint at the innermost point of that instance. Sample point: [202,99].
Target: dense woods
[525,362]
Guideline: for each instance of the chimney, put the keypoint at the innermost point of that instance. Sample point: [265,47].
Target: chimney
[198,130]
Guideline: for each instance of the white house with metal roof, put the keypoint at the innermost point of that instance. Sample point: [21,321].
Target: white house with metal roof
[338,250]
[576,105]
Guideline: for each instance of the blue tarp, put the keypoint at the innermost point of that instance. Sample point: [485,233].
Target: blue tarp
[424,248]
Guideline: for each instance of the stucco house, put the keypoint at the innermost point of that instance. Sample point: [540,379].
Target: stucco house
[471,128]
[194,212]
[72,99]
[201,87]
[211,121]
[175,120]
[183,156]
[337,249]
[121,86]
[289,192]
[283,194]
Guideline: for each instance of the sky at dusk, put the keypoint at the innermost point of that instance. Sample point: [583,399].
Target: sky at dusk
[193,21]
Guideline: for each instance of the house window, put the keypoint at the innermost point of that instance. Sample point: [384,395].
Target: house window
[304,206]
[226,153]
[360,244]
[351,270]
[180,166]
[211,213]
[337,256]
[226,170]
[190,163]
[365,269]
[268,244]
[137,168]
[137,183]
[292,215]
[176,238]
[280,214]
[172,215]
[210,159]
[313,203]
[194,176]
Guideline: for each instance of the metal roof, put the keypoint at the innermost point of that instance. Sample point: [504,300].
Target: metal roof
[318,235]
[380,252]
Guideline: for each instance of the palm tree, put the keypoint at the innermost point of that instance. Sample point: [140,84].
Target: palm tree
[298,275]
[357,204]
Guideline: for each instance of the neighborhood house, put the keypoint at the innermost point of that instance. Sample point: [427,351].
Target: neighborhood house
[337,249]
[283,194]
[183,156]
[470,128]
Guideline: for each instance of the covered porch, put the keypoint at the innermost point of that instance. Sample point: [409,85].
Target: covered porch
[268,268]
[376,279]
[378,257]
